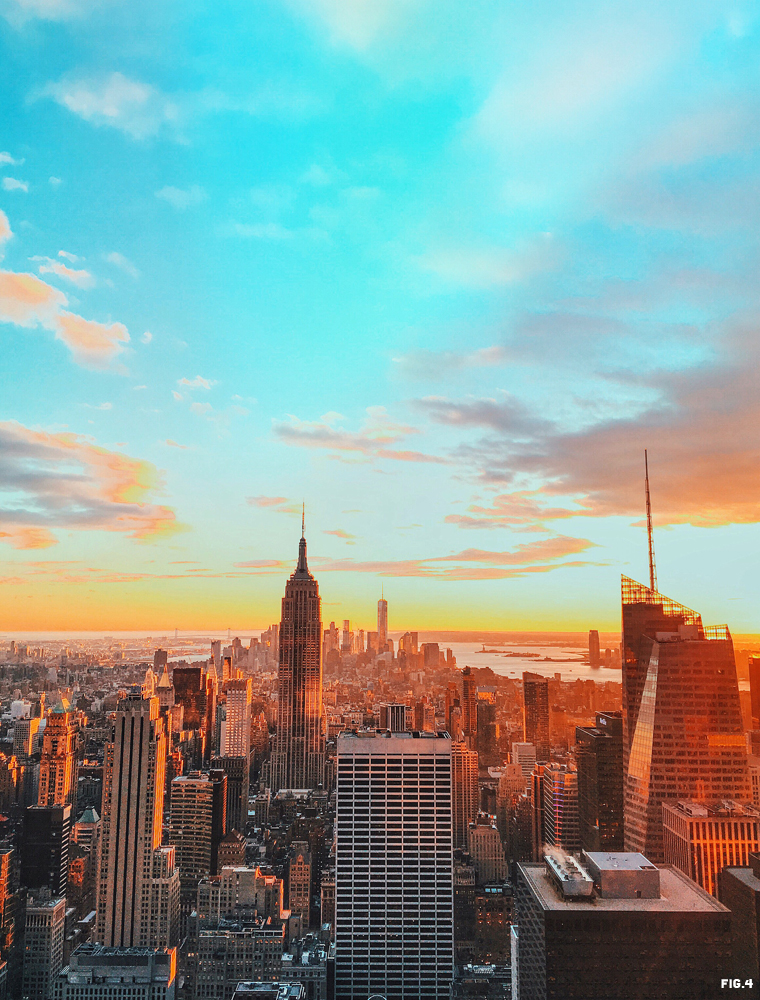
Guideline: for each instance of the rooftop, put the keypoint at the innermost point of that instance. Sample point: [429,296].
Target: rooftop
[678,894]
[724,809]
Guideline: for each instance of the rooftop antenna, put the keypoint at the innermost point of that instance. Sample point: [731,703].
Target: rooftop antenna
[303,519]
[652,569]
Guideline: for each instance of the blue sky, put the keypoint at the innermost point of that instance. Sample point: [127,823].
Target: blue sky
[440,271]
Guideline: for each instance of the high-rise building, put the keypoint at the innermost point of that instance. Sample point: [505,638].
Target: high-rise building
[138,894]
[682,727]
[160,661]
[299,882]
[237,732]
[594,657]
[560,792]
[98,973]
[701,839]
[24,738]
[469,706]
[191,830]
[45,848]
[298,758]
[394,881]
[486,849]
[536,714]
[190,692]
[524,754]
[616,927]
[393,717]
[464,791]
[43,945]
[237,771]
[58,762]
[739,890]
[599,758]
[382,622]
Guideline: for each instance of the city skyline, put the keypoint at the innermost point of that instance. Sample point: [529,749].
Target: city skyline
[444,278]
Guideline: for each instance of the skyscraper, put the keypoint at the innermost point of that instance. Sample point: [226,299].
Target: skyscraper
[754,687]
[57,764]
[394,931]
[298,759]
[536,714]
[237,732]
[138,895]
[464,790]
[382,621]
[560,793]
[469,706]
[594,659]
[599,756]
[682,726]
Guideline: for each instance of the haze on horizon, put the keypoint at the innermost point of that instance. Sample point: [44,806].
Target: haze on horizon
[441,273]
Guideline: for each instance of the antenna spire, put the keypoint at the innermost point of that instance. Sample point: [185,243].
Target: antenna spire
[303,519]
[652,569]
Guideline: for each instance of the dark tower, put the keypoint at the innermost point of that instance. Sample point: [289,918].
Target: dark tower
[298,759]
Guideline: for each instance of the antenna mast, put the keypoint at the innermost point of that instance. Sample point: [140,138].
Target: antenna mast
[652,569]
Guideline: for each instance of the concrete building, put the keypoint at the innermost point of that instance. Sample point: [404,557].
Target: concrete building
[469,706]
[237,731]
[599,758]
[138,892]
[299,882]
[307,964]
[269,991]
[382,622]
[195,824]
[394,883]
[739,890]
[298,756]
[594,657]
[536,714]
[95,972]
[393,717]
[486,850]
[524,754]
[43,945]
[701,838]
[560,804]
[232,951]
[464,790]
[616,927]
[683,736]
[237,770]
[251,889]
[45,848]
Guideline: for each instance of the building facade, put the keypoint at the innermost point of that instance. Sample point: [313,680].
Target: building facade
[43,945]
[58,762]
[599,758]
[394,880]
[536,714]
[560,805]
[464,790]
[98,973]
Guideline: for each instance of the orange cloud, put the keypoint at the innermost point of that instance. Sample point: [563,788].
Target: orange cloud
[28,301]
[93,344]
[65,481]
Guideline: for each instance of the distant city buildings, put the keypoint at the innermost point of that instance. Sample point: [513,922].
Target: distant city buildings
[536,714]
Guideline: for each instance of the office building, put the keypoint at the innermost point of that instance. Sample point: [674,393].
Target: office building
[237,771]
[536,714]
[394,883]
[488,728]
[486,850]
[247,888]
[382,622]
[138,893]
[299,882]
[469,706]
[58,761]
[615,927]
[306,963]
[95,972]
[393,717]
[682,726]
[232,951]
[231,852]
[298,757]
[43,945]
[270,991]
[594,657]
[702,838]
[237,732]
[25,738]
[196,820]
[524,754]
[190,692]
[599,758]
[464,791]
[739,890]
[560,798]
[45,848]
[754,688]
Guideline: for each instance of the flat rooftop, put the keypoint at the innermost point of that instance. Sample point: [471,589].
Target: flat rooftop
[678,894]
[619,861]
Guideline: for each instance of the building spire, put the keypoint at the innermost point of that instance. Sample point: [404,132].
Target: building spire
[302,568]
[303,519]
[652,569]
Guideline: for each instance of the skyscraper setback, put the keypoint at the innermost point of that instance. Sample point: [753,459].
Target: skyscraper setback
[682,726]
[298,758]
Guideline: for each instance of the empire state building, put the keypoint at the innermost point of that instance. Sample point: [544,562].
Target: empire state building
[298,760]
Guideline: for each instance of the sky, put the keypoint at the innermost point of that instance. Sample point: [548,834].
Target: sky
[439,271]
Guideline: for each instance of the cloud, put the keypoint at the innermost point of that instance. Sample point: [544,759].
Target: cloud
[54,181]
[120,261]
[261,231]
[5,231]
[94,345]
[196,383]
[434,365]
[182,199]
[51,482]
[177,395]
[339,533]
[80,278]
[490,267]
[173,444]
[12,184]
[6,160]
[70,257]
[506,415]
[266,501]
[146,337]
[28,301]
[262,564]
[201,408]
[705,132]
[18,11]
[100,406]
[136,108]
[356,23]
